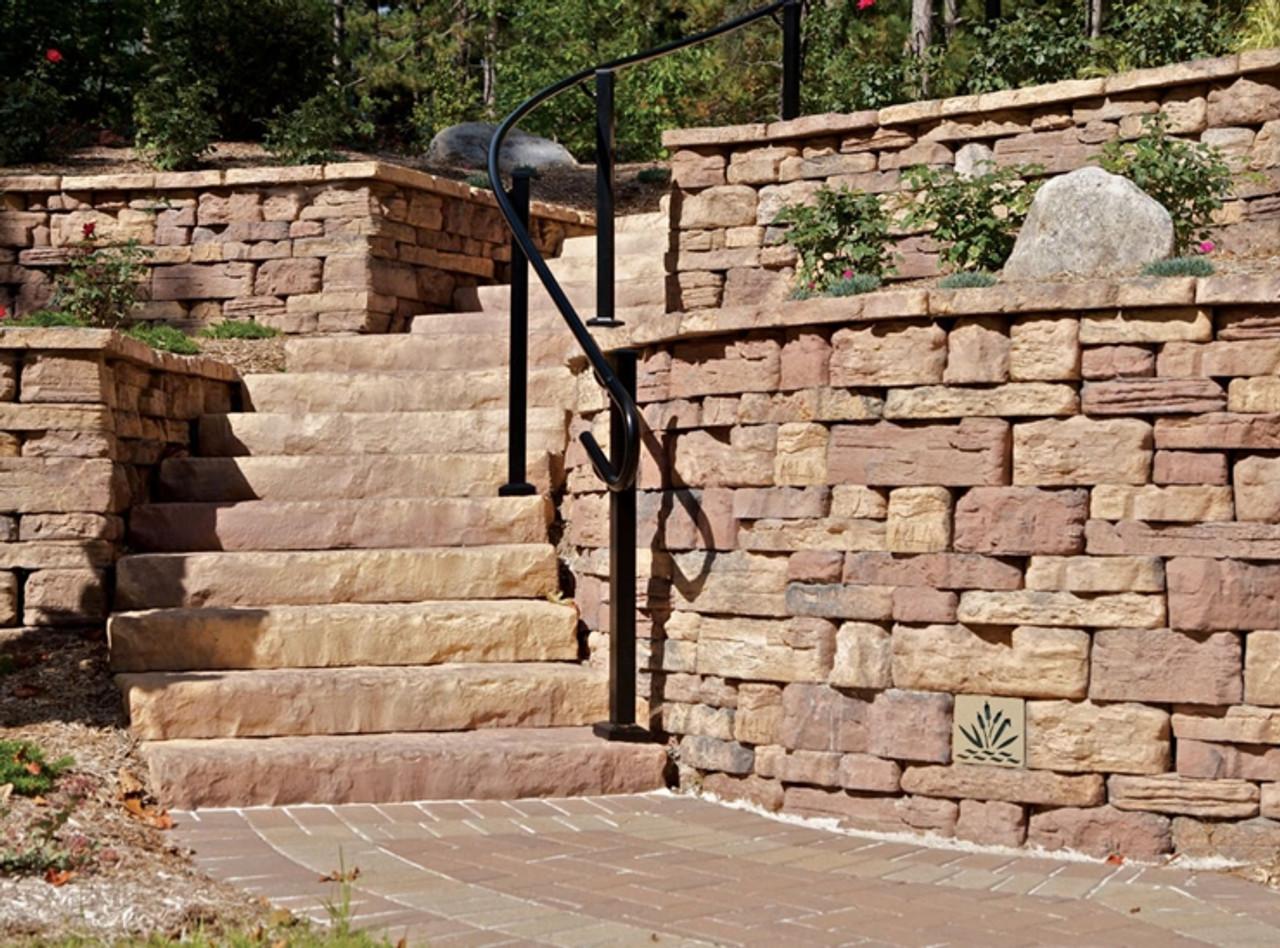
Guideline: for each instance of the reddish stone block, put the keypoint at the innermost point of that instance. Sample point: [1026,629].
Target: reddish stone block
[1011,521]
[1110,362]
[1101,831]
[922,604]
[1208,595]
[910,725]
[782,503]
[973,452]
[1164,666]
[992,823]
[815,566]
[806,358]
[939,570]
[1190,467]
[817,717]
[1205,760]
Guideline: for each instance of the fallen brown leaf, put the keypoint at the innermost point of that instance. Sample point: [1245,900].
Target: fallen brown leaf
[58,877]
[337,876]
[1115,859]
[157,818]
[27,691]
[130,785]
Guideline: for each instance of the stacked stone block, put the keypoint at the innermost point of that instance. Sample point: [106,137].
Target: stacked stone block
[730,183]
[853,511]
[87,416]
[359,247]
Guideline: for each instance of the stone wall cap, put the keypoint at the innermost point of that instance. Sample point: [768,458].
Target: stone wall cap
[108,182]
[721,135]
[30,182]
[1259,60]
[166,180]
[909,113]
[292,174]
[1030,96]
[112,343]
[1238,289]
[1178,74]
[829,123]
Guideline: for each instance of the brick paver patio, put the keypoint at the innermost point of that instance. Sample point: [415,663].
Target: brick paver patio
[671,870]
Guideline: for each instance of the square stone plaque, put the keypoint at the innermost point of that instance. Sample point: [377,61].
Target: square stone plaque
[989,731]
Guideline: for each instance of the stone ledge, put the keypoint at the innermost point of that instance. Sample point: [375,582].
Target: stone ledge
[65,339]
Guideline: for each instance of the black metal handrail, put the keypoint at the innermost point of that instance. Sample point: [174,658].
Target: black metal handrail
[621,475]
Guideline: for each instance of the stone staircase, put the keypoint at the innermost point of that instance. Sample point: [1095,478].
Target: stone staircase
[331,603]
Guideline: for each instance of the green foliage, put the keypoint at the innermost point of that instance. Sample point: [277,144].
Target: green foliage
[23,764]
[480,179]
[311,133]
[45,319]
[39,845]
[1179,266]
[840,234]
[1190,179]
[967,279]
[30,110]
[175,123]
[100,286]
[854,285]
[239,329]
[653,175]
[975,220]
[1036,44]
[1149,33]
[1261,26]
[164,338]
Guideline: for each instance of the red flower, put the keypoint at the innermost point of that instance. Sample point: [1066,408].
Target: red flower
[863,4]
[88,230]
[4,314]
[53,55]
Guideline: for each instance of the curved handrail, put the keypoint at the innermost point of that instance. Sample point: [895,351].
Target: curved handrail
[621,475]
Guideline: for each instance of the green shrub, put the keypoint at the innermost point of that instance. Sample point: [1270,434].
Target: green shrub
[967,279]
[45,319]
[311,133]
[175,123]
[239,329]
[1261,27]
[841,234]
[24,765]
[480,179]
[653,175]
[975,220]
[854,285]
[100,286]
[1037,44]
[165,338]
[1190,179]
[1147,33]
[30,110]
[1179,266]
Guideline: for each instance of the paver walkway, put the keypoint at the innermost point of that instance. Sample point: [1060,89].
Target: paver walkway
[661,869]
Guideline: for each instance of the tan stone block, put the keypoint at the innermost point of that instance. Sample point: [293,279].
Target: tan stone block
[992,823]
[759,165]
[697,719]
[801,454]
[35,527]
[1139,326]
[863,657]
[1241,724]
[289,276]
[853,501]
[1153,397]
[744,459]
[71,444]
[799,649]
[869,603]
[823,404]
[825,166]
[1259,395]
[8,599]
[708,753]
[971,453]
[1101,831]
[1218,799]
[1026,399]
[61,485]
[1081,737]
[888,353]
[196,281]
[868,774]
[1022,662]
[773,198]
[1226,358]
[1082,451]
[697,169]
[919,520]
[977,351]
[820,768]
[1044,348]
[65,377]
[1179,504]
[1219,430]
[1247,841]
[1193,467]
[732,205]
[1030,607]
[1262,668]
[1093,574]
[1020,520]
[829,533]
[64,597]
[758,719]
[1033,787]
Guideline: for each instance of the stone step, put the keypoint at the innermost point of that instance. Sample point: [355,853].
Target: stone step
[340,524]
[380,391]
[417,633]
[188,580]
[287,702]
[343,477]
[582,269]
[498,322]
[490,764]
[426,432]
[627,295]
[410,352]
[654,240]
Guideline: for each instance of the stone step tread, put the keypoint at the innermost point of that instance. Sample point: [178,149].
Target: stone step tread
[653,240]
[497,321]
[341,477]
[333,433]
[315,577]
[650,291]
[375,390]
[418,352]
[281,702]
[490,764]
[340,524]
[344,634]
[582,269]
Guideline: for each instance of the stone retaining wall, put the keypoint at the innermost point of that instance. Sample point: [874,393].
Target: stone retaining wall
[857,512]
[357,247]
[730,183]
[87,416]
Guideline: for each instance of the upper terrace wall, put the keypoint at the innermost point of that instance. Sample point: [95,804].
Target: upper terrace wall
[731,182]
[357,247]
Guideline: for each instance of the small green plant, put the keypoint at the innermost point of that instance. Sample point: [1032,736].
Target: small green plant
[44,319]
[480,179]
[1261,27]
[854,284]
[653,175]
[100,286]
[175,123]
[40,846]
[1190,179]
[1179,266]
[967,279]
[309,134]
[23,765]
[975,219]
[165,338]
[840,234]
[238,329]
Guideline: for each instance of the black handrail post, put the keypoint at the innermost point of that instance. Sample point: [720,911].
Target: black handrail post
[605,271]
[517,433]
[621,725]
[791,54]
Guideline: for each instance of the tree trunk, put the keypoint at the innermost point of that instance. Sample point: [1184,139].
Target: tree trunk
[922,36]
[1095,19]
[339,40]
[950,19]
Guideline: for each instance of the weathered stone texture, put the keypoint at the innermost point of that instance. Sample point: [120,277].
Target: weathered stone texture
[864,655]
[816,717]
[1251,841]
[941,570]
[1025,661]
[992,823]
[919,520]
[1182,503]
[1033,787]
[1262,668]
[798,649]
[883,814]
[971,453]
[1192,467]
[1240,724]
[1082,737]
[1031,607]
[1205,595]
[1205,760]
[1096,574]
[1153,397]
[889,354]
[1007,521]
[910,725]
[1101,831]
[1161,665]
[1218,799]
[977,351]
[1082,451]
[1044,348]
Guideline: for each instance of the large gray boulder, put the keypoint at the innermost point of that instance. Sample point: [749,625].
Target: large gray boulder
[467,146]
[1090,223]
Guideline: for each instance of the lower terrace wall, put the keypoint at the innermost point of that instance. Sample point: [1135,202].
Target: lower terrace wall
[730,183]
[857,514]
[355,247]
[86,416]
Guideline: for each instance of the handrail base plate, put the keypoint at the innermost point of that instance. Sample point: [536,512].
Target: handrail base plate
[630,733]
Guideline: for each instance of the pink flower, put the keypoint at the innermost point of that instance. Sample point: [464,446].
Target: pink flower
[89,229]
[53,55]
[1208,246]
[864,4]
[4,313]
[847,274]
